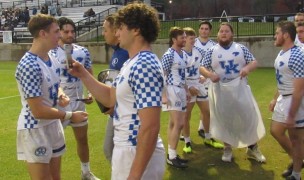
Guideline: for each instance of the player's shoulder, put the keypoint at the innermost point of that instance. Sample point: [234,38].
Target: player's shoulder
[169,54]
[54,52]
[297,52]
[200,50]
[77,47]
[212,42]
[27,62]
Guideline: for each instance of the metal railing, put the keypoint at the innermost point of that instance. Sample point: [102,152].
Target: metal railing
[242,25]
[92,22]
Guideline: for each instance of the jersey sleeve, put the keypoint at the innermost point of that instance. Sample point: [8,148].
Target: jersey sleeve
[87,60]
[146,82]
[296,64]
[247,54]
[202,53]
[29,76]
[207,59]
[167,61]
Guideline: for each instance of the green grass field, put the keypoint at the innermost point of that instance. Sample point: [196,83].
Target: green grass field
[205,162]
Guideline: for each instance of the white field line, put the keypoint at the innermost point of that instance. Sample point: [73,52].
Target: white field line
[8,97]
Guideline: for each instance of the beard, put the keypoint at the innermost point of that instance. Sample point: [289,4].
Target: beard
[224,43]
[278,42]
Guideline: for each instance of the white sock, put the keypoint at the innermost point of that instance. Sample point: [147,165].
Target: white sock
[172,153]
[187,139]
[201,125]
[207,135]
[85,167]
[297,175]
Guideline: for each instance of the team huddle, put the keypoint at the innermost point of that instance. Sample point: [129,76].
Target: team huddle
[194,70]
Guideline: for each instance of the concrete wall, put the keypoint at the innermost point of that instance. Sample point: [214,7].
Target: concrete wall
[261,47]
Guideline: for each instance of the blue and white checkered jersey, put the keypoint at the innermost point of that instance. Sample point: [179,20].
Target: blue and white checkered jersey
[71,85]
[227,62]
[36,78]
[174,66]
[194,61]
[289,65]
[204,46]
[139,85]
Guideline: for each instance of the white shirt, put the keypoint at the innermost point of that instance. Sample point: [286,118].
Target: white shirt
[289,65]
[71,85]
[204,46]
[36,78]
[228,62]
[174,66]
[138,86]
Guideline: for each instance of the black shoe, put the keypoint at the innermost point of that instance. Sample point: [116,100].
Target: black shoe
[182,138]
[291,178]
[184,161]
[176,163]
[201,133]
[288,171]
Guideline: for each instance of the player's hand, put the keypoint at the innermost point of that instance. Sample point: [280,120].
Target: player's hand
[77,69]
[202,79]
[79,116]
[193,91]
[89,99]
[63,100]
[272,105]
[214,78]
[244,72]
[110,111]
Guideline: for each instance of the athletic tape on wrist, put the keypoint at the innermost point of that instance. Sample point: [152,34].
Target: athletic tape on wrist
[68,115]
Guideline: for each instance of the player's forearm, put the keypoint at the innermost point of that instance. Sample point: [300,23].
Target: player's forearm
[252,65]
[146,142]
[100,91]
[41,111]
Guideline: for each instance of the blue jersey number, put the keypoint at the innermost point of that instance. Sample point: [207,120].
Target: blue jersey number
[53,93]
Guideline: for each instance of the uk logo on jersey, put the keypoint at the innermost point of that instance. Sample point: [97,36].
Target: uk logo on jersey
[230,67]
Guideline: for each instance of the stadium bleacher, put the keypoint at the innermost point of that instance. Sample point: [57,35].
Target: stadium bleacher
[76,13]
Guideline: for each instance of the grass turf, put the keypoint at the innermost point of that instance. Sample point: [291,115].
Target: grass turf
[205,161]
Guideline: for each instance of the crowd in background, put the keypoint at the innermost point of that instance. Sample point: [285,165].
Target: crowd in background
[19,17]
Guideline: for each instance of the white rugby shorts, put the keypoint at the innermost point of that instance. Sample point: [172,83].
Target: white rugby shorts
[41,144]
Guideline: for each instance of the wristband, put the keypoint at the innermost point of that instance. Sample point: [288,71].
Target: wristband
[68,115]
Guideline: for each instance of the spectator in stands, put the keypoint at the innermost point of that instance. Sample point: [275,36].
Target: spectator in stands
[90,12]
[26,15]
[58,9]
[34,11]
[3,21]
[53,10]
[42,10]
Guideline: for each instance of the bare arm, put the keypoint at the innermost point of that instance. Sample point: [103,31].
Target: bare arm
[273,101]
[146,140]
[248,68]
[208,74]
[99,90]
[41,111]
[296,100]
